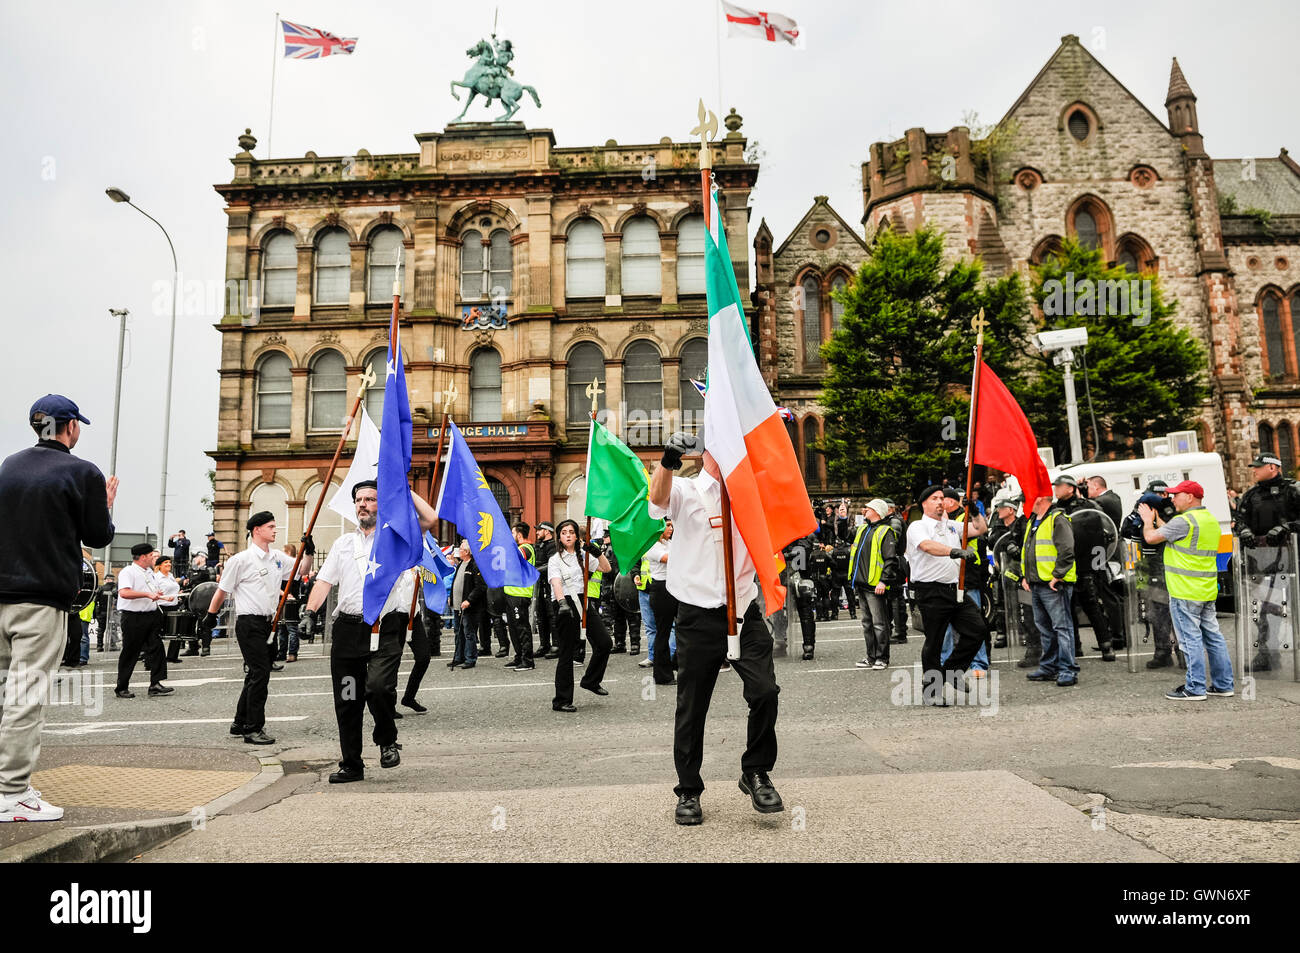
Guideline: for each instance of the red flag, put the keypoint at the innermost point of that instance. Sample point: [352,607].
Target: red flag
[1004,440]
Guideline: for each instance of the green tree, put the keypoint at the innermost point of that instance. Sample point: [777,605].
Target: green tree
[897,389]
[1145,373]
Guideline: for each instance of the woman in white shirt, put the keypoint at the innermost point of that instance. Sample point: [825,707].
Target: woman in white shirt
[564,573]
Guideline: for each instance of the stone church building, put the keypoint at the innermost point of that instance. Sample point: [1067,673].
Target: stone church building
[528,273]
[1083,157]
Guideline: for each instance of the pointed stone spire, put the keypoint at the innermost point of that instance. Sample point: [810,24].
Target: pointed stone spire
[1178,87]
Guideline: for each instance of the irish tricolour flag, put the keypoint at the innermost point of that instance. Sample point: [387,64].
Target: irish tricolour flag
[743,429]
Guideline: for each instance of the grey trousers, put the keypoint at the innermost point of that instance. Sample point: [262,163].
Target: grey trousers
[31,643]
[875,624]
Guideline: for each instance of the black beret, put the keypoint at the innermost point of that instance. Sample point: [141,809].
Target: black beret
[362,485]
[259,519]
[141,549]
[929,491]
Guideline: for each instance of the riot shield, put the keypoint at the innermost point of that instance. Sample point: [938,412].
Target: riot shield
[1146,606]
[1268,591]
[1014,603]
[626,594]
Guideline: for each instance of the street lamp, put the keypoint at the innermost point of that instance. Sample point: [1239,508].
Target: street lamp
[117,195]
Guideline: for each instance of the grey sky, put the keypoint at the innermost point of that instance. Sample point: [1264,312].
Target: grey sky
[150,97]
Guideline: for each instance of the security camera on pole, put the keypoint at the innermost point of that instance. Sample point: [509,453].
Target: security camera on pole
[1062,343]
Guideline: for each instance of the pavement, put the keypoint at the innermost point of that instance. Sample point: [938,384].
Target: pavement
[1105,771]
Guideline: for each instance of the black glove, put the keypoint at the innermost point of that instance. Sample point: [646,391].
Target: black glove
[307,628]
[564,610]
[208,624]
[1247,538]
[679,445]
[959,552]
[308,546]
[592,549]
[1277,534]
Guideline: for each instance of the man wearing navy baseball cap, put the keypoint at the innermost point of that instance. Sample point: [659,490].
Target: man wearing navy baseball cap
[52,503]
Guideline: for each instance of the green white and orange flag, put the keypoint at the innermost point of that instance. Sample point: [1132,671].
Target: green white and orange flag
[743,430]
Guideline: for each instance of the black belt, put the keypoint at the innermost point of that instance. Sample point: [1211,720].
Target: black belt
[946,585]
[250,615]
[360,620]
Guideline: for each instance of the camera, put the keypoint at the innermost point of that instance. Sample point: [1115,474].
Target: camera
[1064,338]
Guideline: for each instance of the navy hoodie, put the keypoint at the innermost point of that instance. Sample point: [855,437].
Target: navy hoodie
[50,504]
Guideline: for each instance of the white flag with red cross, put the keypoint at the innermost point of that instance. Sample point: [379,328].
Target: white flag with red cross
[761,25]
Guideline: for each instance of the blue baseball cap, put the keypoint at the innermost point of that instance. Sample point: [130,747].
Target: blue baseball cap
[56,406]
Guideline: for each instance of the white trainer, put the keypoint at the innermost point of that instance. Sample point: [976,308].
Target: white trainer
[645,663]
[880,666]
[28,807]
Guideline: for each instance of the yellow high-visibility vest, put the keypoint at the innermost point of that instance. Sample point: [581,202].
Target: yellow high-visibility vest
[1044,551]
[1191,563]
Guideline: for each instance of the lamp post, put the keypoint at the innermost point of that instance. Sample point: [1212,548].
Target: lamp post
[117,195]
[117,390]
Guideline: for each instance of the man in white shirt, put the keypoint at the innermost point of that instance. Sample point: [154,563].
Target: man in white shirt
[254,577]
[696,579]
[138,595]
[933,548]
[363,663]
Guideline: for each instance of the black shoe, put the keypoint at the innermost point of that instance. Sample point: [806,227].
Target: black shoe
[160,690]
[277,667]
[503,653]
[468,664]
[552,654]
[174,661]
[344,775]
[1066,683]
[525,667]
[635,649]
[1041,676]
[205,651]
[258,738]
[415,706]
[236,728]
[1000,642]
[1029,661]
[597,690]
[396,715]
[123,693]
[669,681]
[901,640]
[278,658]
[688,810]
[568,708]
[453,663]
[1161,660]
[759,788]
[1107,654]
[388,756]
[807,653]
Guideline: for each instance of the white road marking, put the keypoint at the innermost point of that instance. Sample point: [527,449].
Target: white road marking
[90,727]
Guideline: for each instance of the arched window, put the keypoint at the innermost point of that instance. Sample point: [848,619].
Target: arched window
[694,363]
[485,385]
[1266,442]
[502,494]
[1079,125]
[1274,343]
[333,267]
[274,402]
[485,268]
[329,525]
[1085,227]
[327,391]
[577,503]
[690,255]
[812,320]
[1047,247]
[377,364]
[382,265]
[1285,451]
[1128,260]
[810,455]
[585,364]
[643,391]
[279,271]
[584,260]
[641,268]
[838,284]
[271,497]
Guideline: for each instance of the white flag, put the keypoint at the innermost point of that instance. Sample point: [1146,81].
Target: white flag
[760,25]
[365,466]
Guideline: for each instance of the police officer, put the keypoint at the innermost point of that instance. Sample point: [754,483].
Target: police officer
[798,557]
[1006,523]
[897,596]
[1151,570]
[543,610]
[840,579]
[1269,512]
[1090,552]
[625,625]
[819,570]
[518,599]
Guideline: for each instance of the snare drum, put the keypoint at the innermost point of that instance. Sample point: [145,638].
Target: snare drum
[89,585]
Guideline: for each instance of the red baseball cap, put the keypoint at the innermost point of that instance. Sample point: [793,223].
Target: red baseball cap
[1189,486]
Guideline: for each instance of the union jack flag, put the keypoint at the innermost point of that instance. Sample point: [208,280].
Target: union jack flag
[308,43]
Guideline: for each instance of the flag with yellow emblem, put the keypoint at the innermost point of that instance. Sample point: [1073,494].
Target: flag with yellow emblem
[466,500]
[618,490]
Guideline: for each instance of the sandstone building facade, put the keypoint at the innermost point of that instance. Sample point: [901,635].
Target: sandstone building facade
[528,272]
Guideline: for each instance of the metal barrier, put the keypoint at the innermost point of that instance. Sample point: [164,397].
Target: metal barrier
[1268,593]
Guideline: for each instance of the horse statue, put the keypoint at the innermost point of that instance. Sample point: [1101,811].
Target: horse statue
[489,77]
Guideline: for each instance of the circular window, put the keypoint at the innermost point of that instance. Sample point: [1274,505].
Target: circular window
[1079,125]
[1252,263]
[822,236]
[1280,263]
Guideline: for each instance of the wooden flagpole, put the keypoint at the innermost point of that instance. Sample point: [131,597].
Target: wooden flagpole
[449,396]
[707,130]
[978,324]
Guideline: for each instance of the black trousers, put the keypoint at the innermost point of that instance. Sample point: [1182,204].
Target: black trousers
[72,649]
[521,633]
[939,608]
[252,634]
[840,586]
[361,680]
[701,647]
[898,607]
[545,613]
[1112,600]
[625,624]
[420,650]
[664,606]
[807,621]
[1087,596]
[567,633]
[140,631]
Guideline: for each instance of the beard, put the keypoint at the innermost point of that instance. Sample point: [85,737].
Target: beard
[367,521]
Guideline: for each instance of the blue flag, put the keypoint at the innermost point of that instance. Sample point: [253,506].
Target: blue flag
[399,542]
[466,500]
[436,572]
